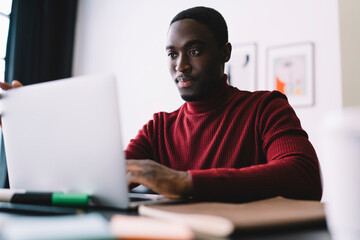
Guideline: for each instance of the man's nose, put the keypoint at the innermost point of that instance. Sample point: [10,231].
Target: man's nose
[183,64]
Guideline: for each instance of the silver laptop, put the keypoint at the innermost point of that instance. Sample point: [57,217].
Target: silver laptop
[65,136]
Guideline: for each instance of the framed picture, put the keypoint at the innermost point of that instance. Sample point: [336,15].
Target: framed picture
[291,71]
[241,68]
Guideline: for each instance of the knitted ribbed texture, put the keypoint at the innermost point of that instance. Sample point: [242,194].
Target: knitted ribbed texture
[237,146]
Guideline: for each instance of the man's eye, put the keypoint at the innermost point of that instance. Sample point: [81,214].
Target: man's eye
[194,52]
[172,55]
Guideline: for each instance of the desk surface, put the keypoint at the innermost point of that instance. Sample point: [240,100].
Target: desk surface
[317,233]
[304,233]
[300,234]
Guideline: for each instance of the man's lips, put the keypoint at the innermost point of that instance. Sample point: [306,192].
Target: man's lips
[184,81]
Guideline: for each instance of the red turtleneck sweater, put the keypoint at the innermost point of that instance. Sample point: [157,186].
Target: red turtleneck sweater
[237,146]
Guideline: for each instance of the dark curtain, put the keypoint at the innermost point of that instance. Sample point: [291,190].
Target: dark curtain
[40,45]
[41,36]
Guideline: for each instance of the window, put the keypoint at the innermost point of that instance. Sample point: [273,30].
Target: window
[5,10]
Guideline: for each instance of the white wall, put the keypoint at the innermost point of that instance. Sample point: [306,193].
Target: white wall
[128,38]
[349,11]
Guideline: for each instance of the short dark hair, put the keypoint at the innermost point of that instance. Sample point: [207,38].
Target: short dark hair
[210,17]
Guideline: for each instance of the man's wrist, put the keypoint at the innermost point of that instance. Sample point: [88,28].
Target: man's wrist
[187,185]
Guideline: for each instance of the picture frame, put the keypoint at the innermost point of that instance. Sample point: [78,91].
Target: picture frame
[290,70]
[241,68]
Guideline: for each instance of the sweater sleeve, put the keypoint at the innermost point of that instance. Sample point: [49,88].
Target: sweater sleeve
[291,170]
[140,147]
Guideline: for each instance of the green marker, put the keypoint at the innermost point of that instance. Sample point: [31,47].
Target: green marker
[44,198]
[70,199]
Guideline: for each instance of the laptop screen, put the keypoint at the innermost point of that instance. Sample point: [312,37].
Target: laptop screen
[65,135]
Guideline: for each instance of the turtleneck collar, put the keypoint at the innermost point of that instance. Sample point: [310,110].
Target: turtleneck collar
[213,101]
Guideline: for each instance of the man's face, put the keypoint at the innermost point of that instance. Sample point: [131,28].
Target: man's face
[195,60]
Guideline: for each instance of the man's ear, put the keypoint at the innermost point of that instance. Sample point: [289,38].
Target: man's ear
[227,51]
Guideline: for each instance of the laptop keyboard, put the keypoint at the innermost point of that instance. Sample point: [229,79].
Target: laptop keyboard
[138,199]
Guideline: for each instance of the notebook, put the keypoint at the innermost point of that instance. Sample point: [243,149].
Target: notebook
[222,219]
[65,135]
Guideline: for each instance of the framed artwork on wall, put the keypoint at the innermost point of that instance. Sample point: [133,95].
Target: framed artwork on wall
[290,70]
[241,68]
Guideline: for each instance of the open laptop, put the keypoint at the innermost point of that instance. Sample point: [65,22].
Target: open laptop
[65,136]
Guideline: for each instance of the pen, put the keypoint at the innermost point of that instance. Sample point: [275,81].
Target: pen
[44,198]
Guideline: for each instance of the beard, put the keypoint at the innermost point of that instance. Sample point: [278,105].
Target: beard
[191,98]
[201,95]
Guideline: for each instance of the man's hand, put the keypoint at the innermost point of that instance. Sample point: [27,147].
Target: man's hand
[6,86]
[160,179]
